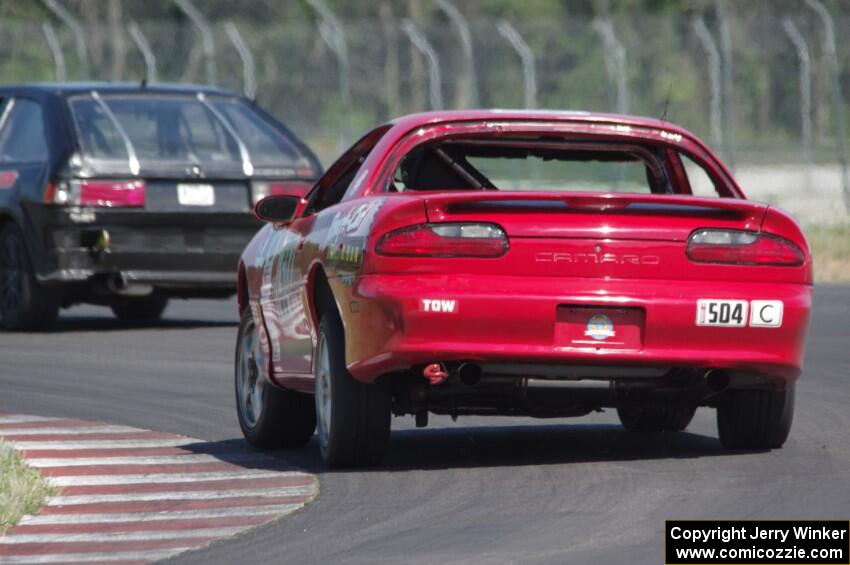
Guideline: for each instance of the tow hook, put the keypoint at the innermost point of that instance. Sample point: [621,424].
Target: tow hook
[436,373]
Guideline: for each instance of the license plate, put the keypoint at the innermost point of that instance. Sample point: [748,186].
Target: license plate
[196,194]
[599,328]
[729,313]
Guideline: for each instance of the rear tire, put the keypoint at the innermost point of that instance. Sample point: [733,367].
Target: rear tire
[656,418]
[270,417]
[755,419]
[25,305]
[147,309]
[353,417]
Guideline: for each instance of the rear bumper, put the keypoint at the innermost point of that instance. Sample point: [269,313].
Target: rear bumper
[176,253]
[515,320]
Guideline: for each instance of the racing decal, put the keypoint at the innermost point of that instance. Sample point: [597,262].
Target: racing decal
[739,313]
[281,303]
[354,222]
[766,313]
[729,313]
[345,253]
[348,231]
[438,305]
[600,327]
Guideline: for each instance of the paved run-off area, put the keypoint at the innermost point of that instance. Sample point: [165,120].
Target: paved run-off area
[481,491]
[125,494]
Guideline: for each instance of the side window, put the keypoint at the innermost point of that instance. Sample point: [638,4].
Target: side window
[332,187]
[334,192]
[701,183]
[22,132]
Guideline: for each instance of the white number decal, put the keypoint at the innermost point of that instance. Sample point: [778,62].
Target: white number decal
[731,313]
[739,313]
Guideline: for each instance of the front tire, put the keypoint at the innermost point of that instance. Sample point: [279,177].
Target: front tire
[656,418]
[25,305]
[270,417]
[755,419]
[353,417]
[146,309]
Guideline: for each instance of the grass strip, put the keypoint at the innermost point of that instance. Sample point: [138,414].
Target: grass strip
[22,488]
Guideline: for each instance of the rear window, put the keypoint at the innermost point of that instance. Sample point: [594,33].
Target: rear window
[213,131]
[532,165]
[22,132]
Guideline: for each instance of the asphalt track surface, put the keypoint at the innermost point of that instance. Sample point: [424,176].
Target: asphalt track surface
[479,490]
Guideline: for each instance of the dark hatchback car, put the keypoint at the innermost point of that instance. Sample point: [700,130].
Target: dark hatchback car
[128,195]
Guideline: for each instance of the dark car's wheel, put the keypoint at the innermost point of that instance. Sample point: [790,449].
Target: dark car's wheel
[24,304]
[353,417]
[656,418]
[146,309]
[270,417]
[755,419]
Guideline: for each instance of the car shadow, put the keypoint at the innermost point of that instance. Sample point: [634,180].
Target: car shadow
[93,324]
[515,446]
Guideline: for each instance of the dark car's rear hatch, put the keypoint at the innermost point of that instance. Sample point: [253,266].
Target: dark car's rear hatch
[186,153]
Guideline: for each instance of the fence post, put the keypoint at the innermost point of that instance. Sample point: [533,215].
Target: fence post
[55,50]
[710,47]
[727,71]
[145,49]
[615,62]
[837,103]
[79,36]
[805,93]
[205,29]
[249,82]
[470,94]
[421,43]
[526,56]
[332,33]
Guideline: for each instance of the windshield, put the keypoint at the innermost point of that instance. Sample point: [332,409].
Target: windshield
[215,131]
[532,165]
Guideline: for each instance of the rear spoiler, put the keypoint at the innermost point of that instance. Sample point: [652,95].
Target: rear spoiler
[441,204]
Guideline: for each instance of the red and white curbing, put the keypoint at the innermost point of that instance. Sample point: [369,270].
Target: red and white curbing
[127,495]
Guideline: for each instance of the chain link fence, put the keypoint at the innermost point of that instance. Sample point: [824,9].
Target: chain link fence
[768,93]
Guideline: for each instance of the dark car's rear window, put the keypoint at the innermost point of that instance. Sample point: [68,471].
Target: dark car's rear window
[216,131]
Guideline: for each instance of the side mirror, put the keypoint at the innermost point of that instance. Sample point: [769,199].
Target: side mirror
[279,208]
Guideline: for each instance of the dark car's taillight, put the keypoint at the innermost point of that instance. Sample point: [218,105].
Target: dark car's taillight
[445,240]
[97,192]
[742,248]
[112,193]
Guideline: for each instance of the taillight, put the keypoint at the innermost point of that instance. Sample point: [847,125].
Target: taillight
[261,189]
[8,179]
[445,240]
[100,192]
[742,248]
[96,192]
[58,192]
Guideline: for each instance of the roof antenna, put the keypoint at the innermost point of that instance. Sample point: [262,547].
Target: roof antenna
[667,103]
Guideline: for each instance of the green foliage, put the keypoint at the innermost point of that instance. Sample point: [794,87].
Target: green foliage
[300,80]
[830,252]
[22,489]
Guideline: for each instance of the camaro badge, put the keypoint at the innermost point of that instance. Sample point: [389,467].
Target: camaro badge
[600,327]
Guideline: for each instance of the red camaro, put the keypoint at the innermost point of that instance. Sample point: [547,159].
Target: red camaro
[541,264]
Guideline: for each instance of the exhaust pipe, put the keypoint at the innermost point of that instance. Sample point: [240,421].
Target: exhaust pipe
[469,373]
[717,381]
[118,285]
[435,373]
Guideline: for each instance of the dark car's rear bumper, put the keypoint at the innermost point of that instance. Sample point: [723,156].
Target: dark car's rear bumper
[187,254]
